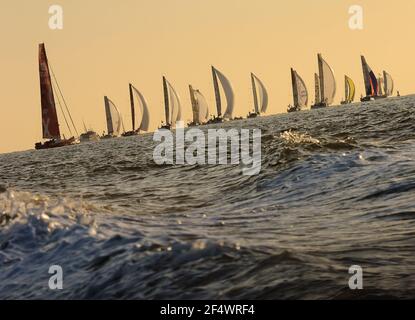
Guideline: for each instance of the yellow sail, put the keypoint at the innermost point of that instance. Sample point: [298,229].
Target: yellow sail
[350,89]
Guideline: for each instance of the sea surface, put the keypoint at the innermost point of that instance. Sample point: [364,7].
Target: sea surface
[336,189]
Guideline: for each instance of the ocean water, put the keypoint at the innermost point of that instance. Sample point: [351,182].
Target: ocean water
[336,189]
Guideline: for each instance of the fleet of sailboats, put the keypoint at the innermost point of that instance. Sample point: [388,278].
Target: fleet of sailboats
[376,87]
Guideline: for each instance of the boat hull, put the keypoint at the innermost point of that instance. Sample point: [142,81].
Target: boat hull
[372,98]
[108,136]
[55,144]
[165,127]
[319,106]
[215,120]
[89,137]
[293,109]
[130,133]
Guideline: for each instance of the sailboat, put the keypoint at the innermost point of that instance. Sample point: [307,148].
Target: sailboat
[50,123]
[139,117]
[114,120]
[229,95]
[380,86]
[327,84]
[200,109]
[388,84]
[260,97]
[172,106]
[300,93]
[89,135]
[350,90]
[371,83]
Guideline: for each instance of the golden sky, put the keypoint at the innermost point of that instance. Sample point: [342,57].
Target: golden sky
[105,44]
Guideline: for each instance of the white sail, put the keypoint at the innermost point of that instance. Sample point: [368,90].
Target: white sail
[203,108]
[380,86]
[302,92]
[388,83]
[114,121]
[175,105]
[143,115]
[327,81]
[230,97]
[262,94]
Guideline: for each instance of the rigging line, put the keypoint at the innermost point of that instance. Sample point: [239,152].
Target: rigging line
[60,106]
[63,98]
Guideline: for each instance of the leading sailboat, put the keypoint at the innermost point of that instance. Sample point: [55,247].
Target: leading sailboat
[326,84]
[300,93]
[350,90]
[140,117]
[229,95]
[260,97]
[172,106]
[50,123]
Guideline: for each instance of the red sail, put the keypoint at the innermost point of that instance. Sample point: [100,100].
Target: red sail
[50,123]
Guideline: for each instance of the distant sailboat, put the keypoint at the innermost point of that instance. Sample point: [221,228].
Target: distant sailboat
[300,93]
[371,82]
[229,95]
[172,106]
[200,109]
[260,97]
[327,84]
[380,86]
[50,123]
[114,120]
[388,84]
[350,90]
[89,135]
[140,116]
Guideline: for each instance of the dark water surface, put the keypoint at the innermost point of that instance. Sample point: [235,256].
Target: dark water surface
[337,188]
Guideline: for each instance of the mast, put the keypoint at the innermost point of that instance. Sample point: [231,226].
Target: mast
[217,92]
[346,89]
[110,127]
[83,122]
[317,88]
[50,124]
[255,93]
[166,100]
[321,73]
[294,85]
[132,106]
